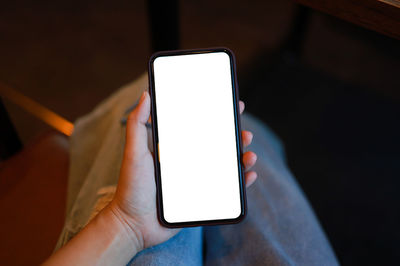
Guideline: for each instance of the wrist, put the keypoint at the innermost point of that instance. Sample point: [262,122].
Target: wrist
[124,226]
[105,240]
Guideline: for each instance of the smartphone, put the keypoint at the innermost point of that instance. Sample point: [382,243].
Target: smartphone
[196,137]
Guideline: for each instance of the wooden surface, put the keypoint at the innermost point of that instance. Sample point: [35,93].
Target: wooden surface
[33,187]
[382,16]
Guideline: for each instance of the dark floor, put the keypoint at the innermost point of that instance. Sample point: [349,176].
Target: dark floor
[336,104]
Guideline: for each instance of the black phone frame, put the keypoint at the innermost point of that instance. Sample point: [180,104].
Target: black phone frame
[239,148]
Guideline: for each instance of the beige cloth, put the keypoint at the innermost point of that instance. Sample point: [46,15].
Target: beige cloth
[95,157]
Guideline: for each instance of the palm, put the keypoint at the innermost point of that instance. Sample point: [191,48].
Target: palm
[139,201]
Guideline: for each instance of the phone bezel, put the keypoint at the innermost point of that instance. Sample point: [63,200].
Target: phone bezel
[235,93]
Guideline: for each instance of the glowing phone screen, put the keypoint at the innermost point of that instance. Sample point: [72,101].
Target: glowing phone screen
[198,152]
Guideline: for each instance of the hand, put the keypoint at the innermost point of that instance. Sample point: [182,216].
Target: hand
[134,203]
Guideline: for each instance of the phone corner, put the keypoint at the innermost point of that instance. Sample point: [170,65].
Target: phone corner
[164,222]
[154,56]
[242,216]
[228,51]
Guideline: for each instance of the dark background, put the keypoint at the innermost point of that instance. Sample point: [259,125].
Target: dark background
[335,101]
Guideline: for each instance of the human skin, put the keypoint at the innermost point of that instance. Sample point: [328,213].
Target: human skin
[129,224]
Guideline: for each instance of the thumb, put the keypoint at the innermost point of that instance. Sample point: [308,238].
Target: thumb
[136,131]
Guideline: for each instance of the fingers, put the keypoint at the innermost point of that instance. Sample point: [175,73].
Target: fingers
[249,160]
[247,137]
[241,106]
[250,177]
[136,132]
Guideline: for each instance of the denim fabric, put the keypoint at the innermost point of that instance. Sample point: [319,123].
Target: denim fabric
[185,248]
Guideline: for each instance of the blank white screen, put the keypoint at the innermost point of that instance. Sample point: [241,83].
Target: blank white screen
[197,141]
